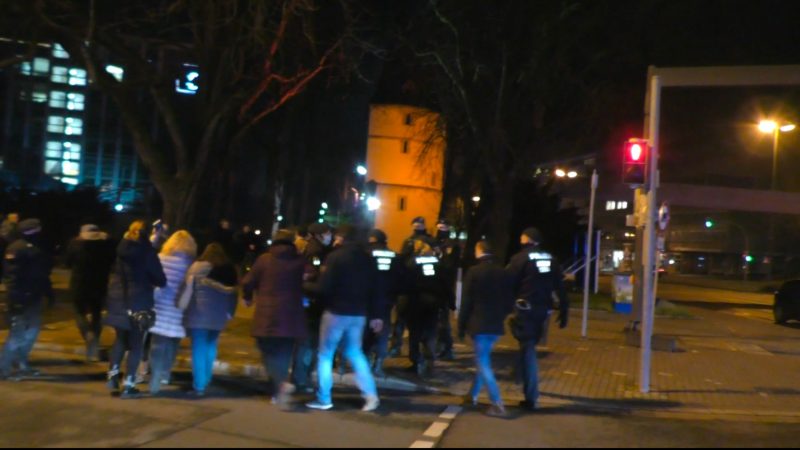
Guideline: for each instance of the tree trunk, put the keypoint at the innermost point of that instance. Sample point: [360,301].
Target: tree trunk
[502,212]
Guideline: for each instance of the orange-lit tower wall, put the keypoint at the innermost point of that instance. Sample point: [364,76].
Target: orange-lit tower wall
[405,157]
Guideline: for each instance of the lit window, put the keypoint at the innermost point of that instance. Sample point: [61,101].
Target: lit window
[187,84]
[58,99]
[25,68]
[52,167]
[75,101]
[115,71]
[71,169]
[55,124]
[77,77]
[59,52]
[622,205]
[72,181]
[41,66]
[39,97]
[74,126]
[611,206]
[59,74]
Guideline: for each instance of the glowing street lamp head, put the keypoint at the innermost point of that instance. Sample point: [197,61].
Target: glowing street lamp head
[373,204]
[476,199]
[788,127]
[767,126]
[572,174]
[560,173]
[361,170]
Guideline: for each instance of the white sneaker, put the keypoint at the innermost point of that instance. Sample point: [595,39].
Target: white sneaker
[372,404]
[316,404]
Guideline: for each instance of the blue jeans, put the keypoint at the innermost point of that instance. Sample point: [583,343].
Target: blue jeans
[484,343]
[23,331]
[350,331]
[530,370]
[204,353]
[163,352]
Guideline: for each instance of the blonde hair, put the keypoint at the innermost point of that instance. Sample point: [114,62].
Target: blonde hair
[135,231]
[180,242]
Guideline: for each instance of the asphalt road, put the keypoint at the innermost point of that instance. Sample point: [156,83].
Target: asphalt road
[69,407]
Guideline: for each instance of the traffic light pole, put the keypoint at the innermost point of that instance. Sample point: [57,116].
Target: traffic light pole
[649,260]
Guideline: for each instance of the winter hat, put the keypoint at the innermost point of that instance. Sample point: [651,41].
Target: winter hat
[533,234]
[89,229]
[378,235]
[283,237]
[418,223]
[442,225]
[30,226]
[318,228]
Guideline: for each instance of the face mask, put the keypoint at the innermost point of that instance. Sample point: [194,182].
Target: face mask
[442,235]
[419,232]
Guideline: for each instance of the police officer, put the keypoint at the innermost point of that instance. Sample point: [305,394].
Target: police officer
[27,278]
[419,234]
[450,256]
[427,292]
[376,346]
[316,252]
[536,277]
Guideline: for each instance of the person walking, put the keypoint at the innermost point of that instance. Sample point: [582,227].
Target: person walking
[376,345]
[177,254]
[90,256]
[27,278]
[209,300]
[130,304]
[275,287]
[351,297]
[316,253]
[488,300]
[536,277]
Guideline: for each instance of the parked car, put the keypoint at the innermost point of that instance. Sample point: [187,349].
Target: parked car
[787,302]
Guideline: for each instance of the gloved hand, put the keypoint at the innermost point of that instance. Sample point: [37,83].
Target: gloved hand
[563,319]
[376,325]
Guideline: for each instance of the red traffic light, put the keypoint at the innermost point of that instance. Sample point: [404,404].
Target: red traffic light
[634,167]
[635,152]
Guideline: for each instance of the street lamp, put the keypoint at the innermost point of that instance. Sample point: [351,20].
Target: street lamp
[361,170]
[373,204]
[561,173]
[771,126]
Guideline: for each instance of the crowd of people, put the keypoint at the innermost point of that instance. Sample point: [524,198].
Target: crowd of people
[322,297]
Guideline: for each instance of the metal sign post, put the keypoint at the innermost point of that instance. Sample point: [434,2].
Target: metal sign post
[587,268]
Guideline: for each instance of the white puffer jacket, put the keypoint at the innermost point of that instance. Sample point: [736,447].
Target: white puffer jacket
[169,319]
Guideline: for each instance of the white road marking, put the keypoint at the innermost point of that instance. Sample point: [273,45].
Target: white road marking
[436,430]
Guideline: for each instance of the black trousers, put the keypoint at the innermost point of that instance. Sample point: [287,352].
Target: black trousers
[422,326]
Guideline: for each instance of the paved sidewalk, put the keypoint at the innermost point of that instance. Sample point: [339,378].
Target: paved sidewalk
[714,373]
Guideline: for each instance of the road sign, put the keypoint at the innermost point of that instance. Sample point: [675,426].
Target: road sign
[663,216]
